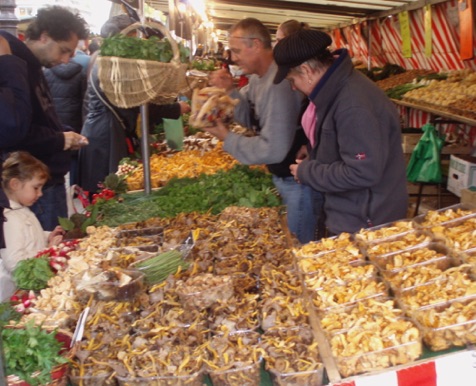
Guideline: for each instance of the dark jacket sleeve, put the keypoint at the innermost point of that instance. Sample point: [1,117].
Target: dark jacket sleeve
[157,112]
[15,108]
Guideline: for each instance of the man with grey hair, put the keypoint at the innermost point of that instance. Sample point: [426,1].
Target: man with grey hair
[272,111]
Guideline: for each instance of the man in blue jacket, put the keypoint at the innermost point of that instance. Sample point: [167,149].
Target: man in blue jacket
[29,121]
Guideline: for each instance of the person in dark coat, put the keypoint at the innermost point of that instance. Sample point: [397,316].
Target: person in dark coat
[67,84]
[51,39]
[108,127]
[357,158]
[13,92]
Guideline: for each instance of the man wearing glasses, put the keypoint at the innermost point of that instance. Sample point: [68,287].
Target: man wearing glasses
[272,111]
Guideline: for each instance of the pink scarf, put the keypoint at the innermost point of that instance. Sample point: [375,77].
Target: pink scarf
[308,122]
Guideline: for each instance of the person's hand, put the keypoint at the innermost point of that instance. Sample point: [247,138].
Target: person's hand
[52,241]
[222,79]
[74,141]
[220,130]
[293,168]
[302,153]
[56,236]
[4,47]
[184,107]
[59,230]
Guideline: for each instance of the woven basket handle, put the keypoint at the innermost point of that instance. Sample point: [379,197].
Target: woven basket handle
[163,30]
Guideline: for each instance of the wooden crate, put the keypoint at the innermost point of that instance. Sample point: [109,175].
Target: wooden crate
[409,141]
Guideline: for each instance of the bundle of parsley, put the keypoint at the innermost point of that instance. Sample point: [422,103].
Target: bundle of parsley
[31,350]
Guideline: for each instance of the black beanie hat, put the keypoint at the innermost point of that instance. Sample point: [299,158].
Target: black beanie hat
[298,47]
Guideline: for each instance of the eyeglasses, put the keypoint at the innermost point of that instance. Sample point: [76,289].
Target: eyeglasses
[245,37]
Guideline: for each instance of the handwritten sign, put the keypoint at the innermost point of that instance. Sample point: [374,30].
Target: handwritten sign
[428,32]
[404,20]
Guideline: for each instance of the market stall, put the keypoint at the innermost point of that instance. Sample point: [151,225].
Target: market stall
[168,289]
[236,272]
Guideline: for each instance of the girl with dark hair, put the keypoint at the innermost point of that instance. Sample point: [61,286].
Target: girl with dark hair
[23,177]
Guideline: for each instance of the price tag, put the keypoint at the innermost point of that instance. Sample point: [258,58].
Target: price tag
[404,20]
[428,31]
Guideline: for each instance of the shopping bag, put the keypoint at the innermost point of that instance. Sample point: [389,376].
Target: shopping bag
[424,164]
[174,133]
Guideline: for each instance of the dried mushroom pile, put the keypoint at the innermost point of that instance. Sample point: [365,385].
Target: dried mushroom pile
[384,291]
[250,294]
[199,321]
[187,163]
[202,153]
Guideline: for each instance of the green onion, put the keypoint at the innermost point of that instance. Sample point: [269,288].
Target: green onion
[158,268]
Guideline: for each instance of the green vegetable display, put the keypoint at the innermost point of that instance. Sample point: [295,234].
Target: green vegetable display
[147,49]
[158,268]
[29,350]
[33,274]
[239,186]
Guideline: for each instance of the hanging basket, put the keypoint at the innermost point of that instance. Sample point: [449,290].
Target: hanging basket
[134,82]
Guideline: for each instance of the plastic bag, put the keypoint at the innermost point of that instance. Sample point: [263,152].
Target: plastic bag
[425,165]
[174,133]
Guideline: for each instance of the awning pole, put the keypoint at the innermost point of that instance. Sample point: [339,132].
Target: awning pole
[144,114]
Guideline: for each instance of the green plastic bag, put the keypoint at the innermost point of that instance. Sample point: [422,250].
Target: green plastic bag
[425,165]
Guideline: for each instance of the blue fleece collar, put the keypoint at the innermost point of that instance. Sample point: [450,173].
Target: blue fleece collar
[342,54]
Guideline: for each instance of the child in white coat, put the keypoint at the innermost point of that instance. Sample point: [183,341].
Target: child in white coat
[23,177]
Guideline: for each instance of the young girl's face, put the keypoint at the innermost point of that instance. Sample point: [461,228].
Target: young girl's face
[27,192]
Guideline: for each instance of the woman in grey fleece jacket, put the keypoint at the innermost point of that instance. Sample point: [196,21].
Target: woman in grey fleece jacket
[358,159]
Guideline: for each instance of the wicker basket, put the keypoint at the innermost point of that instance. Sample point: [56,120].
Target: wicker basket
[133,82]
[59,374]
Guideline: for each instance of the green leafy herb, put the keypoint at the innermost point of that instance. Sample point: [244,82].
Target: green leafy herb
[31,349]
[33,274]
[8,313]
[136,48]
[240,186]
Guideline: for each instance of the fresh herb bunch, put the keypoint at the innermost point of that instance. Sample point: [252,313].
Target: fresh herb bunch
[33,274]
[31,349]
[147,49]
[8,313]
[239,186]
